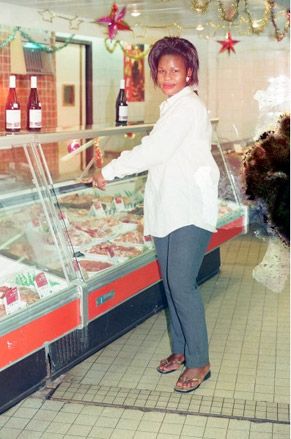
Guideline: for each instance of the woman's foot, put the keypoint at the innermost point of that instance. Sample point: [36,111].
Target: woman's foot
[171,364]
[191,378]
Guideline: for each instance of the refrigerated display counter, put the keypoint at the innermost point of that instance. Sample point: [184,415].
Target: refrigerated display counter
[77,271]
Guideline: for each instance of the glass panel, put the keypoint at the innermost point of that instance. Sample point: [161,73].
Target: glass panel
[230,207]
[105,228]
[35,258]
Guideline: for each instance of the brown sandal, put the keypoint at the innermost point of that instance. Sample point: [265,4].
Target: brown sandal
[194,382]
[174,360]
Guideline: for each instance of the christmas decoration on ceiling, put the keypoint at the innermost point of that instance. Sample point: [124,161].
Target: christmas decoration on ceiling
[227,44]
[200,6]
[111,46]
[35,45]
[114,21]
[229,12]
[74,22]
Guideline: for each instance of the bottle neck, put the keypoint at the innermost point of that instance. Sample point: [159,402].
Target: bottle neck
[12,82]
[33,82]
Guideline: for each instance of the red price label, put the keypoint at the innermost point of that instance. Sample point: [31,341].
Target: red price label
[12,295]
[41,280]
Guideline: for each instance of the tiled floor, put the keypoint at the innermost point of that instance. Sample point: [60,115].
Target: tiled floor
[117,393]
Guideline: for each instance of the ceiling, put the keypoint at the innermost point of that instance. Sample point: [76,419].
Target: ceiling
[158,13]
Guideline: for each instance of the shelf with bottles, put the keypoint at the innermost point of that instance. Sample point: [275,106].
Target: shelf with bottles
[13,108]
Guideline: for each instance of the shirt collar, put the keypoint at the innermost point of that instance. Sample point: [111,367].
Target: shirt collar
[184,92]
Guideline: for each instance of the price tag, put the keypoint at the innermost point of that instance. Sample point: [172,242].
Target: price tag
[119,204]
[97,210]
[148,241]
[42,285]
[12,300]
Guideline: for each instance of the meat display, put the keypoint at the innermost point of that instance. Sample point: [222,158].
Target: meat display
[77,200]
[135,237]
[104,228]
[112,249]
[93,266]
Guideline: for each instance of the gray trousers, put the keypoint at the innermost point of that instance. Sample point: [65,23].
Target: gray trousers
[180,255]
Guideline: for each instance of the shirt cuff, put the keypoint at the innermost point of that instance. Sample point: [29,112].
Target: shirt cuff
[108,172]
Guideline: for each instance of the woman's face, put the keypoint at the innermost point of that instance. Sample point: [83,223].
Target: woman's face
[172,74]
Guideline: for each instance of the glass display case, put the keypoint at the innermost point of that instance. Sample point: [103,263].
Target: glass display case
[74,254]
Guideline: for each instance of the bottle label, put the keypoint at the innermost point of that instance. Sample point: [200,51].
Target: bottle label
[123,113]
[34,118]
[13,119]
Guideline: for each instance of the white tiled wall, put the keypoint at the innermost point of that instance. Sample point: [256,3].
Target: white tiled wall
[228,83]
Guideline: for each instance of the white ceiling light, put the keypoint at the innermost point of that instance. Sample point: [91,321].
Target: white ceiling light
[135,13]
[134,10]
[200,27]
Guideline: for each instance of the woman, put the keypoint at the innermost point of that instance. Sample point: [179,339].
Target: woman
[180,203]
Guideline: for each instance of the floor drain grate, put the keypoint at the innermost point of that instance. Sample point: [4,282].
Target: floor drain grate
[189,404]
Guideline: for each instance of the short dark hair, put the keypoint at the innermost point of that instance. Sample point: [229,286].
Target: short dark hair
[174,46]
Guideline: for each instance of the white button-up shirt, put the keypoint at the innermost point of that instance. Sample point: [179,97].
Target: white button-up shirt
[182,183]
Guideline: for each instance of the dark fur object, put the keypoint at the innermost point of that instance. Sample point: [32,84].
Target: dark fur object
[267,175]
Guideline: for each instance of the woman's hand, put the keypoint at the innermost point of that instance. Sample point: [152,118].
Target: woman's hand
[99,181]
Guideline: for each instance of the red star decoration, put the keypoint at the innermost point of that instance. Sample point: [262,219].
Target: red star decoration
[227,44]
[114,21]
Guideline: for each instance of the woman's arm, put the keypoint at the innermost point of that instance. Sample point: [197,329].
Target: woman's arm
[156,148]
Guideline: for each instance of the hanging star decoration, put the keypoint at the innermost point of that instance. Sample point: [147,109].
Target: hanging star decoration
[47,15]
[227,44]
[114,21]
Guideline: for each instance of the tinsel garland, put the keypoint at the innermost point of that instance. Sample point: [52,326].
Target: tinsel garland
[114,43]
[258,26]
[231,13]
[37,46]
[200,6]
[8,40]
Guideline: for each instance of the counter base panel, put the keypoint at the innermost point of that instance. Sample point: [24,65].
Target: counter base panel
[34,335]
[21,379]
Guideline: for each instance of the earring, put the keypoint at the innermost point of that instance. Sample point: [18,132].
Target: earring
[187,78]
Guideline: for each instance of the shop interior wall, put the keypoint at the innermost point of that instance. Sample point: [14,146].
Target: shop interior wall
[70,73]
[227,83]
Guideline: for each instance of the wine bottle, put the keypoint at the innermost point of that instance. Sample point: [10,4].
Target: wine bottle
[12,108]
[34,115]
[121,106]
